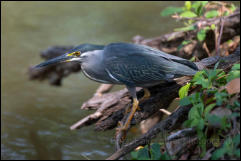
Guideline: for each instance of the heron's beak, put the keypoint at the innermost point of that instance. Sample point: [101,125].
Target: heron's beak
[68,57]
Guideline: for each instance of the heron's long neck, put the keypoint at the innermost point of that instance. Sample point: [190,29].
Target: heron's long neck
[93,67]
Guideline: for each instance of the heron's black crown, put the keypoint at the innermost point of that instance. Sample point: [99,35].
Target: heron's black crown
[86,47]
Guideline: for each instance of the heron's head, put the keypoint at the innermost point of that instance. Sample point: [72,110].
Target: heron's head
[77,54]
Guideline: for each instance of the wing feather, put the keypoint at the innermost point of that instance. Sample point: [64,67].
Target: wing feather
[137,64]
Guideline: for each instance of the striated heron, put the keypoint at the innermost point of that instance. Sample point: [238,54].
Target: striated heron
[129,64]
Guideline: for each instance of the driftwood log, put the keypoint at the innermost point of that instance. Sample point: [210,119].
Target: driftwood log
[111,107]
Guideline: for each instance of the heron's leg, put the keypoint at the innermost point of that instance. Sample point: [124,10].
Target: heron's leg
[135,104]
[147,94]
[133,110]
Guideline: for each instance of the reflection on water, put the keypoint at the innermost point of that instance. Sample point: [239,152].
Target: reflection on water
[35,117]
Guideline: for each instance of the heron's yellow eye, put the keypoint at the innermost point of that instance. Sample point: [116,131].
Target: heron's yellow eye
[76,53]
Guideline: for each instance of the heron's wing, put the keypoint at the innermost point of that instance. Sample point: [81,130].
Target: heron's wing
[135,70]
[127,49]
[139,63]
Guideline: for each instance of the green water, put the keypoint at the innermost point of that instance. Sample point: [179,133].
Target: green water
[35,117]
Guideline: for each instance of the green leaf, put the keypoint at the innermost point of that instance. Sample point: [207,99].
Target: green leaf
[196,99]
[218,153]
[200,107]
[226,13]
[207,28]
[188,14]
[232,7]
[143,154]
[225,123]
[202,141]
[203,82]
[194,113]
[183,92]
[236,67]
[208,109]
[221,97]
[213,26]
[237,152]
[185,101]
[165,156]
[236,140]
[134,155]
[199,7]
[234,73]
[198,3]
[184,42]
[192,59]
[194,122]
[211,14]
[229,147]
[229,41]
[155,151]
[171,10]
[198,76]
[201,124]
[201,35]
[188,5]
[187,123]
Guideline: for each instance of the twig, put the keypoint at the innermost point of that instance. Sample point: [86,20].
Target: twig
[108,100]
[165,111]
[220,37]
[103,88]
[181,133]
[206,49]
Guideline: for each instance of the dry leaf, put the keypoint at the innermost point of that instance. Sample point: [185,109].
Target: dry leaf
[233,86]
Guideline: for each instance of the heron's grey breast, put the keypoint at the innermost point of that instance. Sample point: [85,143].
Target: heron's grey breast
[94,68]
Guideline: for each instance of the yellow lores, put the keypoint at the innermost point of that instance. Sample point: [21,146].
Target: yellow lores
[76,53]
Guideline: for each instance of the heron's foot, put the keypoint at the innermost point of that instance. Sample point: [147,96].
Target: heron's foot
[138,108]
[124,128]
[128,109]
[147,95]
[121,129]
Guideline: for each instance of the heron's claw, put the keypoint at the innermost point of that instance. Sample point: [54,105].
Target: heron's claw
[121,128]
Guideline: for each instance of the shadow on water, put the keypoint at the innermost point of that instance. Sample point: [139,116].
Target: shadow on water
[43,151]
[35,116]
